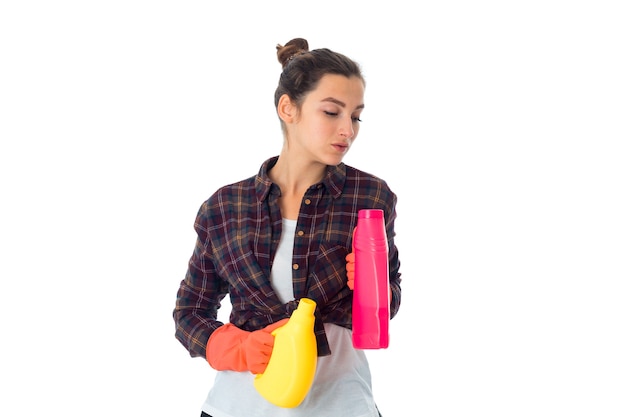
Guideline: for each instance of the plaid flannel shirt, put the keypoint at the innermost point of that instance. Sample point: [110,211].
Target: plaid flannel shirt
[238,229]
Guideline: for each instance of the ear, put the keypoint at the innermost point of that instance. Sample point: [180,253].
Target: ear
[286,109]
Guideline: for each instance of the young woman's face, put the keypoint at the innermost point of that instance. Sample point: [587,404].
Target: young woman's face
[328,121]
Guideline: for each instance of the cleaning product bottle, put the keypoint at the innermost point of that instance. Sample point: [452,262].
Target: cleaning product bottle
[370,304]
[291,368]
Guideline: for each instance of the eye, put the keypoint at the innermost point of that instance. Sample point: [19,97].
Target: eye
[355,119]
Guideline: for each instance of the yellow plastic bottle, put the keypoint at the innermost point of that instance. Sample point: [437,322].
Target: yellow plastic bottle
[291,368]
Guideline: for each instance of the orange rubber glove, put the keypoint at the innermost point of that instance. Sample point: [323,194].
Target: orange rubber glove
[350,273]
[231,349]
[350,269]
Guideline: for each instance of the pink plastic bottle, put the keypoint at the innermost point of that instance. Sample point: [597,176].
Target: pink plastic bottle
[370,305]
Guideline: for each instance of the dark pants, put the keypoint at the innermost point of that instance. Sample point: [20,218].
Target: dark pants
[208,415]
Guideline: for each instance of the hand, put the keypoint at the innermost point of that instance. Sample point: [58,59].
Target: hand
[258,347]
[350,269]
[231,349]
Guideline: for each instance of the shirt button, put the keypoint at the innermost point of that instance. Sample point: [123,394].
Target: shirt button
[296,266]
[307,201]
[300,233]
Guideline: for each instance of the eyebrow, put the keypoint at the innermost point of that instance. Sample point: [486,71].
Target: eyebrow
[341,103]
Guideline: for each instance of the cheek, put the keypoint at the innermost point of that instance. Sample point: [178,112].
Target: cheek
[322,129]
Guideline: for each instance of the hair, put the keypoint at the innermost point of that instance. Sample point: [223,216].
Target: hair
[303,69]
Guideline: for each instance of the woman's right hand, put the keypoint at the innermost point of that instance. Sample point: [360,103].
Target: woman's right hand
[232,349]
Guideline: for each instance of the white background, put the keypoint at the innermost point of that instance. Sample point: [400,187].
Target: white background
[500,125]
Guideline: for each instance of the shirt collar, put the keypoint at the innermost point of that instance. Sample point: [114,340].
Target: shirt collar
[333,181]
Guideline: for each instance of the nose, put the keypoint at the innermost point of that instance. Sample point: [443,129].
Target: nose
[346,130]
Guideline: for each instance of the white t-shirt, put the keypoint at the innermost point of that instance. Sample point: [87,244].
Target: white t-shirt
[342,385]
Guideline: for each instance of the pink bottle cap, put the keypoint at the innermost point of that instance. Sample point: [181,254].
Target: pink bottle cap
[370,214]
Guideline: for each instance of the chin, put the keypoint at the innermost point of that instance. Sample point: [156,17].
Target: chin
[334,161]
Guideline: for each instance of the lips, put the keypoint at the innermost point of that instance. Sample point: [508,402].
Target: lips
[341,147]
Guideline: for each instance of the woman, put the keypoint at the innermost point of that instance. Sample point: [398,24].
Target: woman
[286,234]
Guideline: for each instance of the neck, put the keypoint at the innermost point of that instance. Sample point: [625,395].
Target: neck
[294,177]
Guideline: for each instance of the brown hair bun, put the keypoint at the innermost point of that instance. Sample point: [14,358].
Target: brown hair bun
[291,49]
